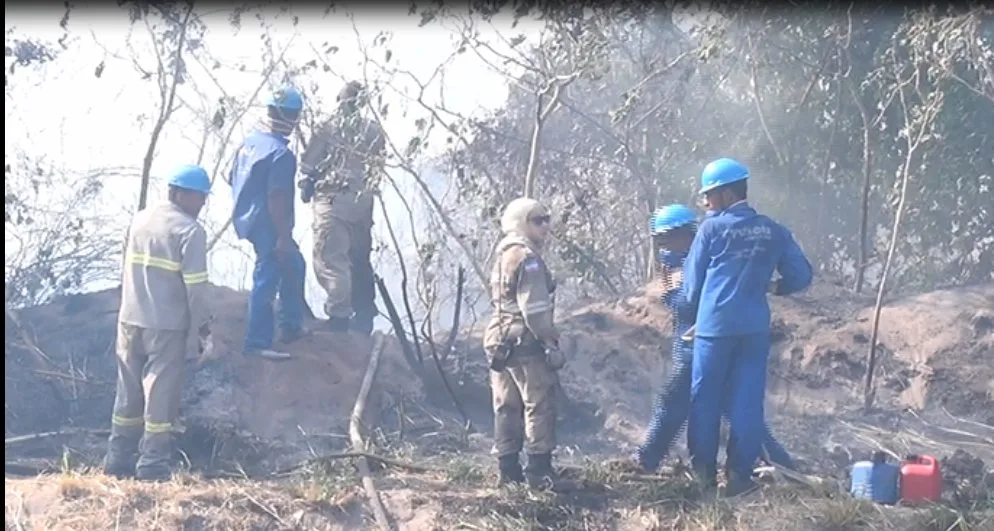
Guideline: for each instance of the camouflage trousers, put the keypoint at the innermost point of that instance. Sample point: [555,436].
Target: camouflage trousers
[342,266]
[150,367]
[524,400]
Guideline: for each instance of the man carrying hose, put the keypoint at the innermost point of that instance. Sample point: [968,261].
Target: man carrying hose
[163,317]
[673,228]
[522,347]
[727,274]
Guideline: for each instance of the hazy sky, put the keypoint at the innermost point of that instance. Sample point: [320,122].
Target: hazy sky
[64,112]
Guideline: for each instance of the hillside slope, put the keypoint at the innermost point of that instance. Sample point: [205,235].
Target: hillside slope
[935,394]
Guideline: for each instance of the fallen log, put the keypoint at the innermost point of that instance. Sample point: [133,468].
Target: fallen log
[355,433]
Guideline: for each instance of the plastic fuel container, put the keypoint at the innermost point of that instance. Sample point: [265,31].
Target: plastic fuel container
[921,479]
[876,480]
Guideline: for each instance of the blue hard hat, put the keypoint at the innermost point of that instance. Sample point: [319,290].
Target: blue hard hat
[287,98]
[191,177]
[671,217]
[721,172]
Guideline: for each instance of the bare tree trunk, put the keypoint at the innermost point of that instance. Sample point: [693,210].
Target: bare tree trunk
[540,116]
[356,436]
[168,97]
[864,202]
[914,141]
[871,357]
[403,288]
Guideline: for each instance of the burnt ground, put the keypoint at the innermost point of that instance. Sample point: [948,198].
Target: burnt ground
[254,429]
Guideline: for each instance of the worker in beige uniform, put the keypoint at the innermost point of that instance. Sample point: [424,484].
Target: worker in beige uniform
[341,167]
[522,347]
[163,316]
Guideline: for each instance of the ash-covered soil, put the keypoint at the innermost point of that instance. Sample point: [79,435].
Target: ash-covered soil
[256,421]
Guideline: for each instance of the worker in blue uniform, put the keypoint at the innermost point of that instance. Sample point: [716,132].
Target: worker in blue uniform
[727,274]
[673,228]
[262,182]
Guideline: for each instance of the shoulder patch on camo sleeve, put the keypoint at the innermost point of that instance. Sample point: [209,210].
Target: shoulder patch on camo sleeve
[532,265]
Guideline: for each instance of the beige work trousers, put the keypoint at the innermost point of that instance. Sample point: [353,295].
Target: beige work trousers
[524,399]
[341,265]
[150,367]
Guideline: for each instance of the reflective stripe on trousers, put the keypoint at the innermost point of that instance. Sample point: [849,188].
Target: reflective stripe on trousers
[150,367]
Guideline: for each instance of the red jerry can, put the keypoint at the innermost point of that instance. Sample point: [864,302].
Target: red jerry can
[921,479]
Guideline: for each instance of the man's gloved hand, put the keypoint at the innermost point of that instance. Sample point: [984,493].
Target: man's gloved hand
[201,343]
[306,186]
[555,356]
[206,349]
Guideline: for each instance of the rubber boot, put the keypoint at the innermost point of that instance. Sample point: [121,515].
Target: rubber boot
[509,467]
[122,456]
[540,475]
[154,463]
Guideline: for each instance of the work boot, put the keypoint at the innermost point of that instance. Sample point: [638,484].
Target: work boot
[338,325]
[540,475]
[739,485]
[706,479]
[635,464]
[362,325]
[267,354]
[290,336]
[121,458]
[509,467]
[154,464]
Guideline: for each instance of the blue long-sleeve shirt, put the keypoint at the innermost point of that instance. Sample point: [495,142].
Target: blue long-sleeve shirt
[264,163]
[729,267]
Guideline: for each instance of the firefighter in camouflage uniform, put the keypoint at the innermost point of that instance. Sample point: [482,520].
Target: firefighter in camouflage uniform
[341,167]
[522,347]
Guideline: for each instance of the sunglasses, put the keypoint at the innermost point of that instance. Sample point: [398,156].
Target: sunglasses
[541,220]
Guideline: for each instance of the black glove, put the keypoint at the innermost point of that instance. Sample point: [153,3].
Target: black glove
[306,186]
[555,357]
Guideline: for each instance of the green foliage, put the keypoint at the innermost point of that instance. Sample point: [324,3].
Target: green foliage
[648,104]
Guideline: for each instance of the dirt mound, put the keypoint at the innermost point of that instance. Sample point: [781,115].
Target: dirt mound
[933,349]
[931,358]
[62,373]
[259,416]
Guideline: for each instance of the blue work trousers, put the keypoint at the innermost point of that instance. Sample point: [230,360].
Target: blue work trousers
[728,371]
[672,408]
[274,274]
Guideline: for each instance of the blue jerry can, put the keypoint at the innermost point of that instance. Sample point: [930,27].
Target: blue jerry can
[876,480]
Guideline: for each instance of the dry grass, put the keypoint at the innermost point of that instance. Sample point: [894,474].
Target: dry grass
[608,498]
[458,494]
[74,501]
